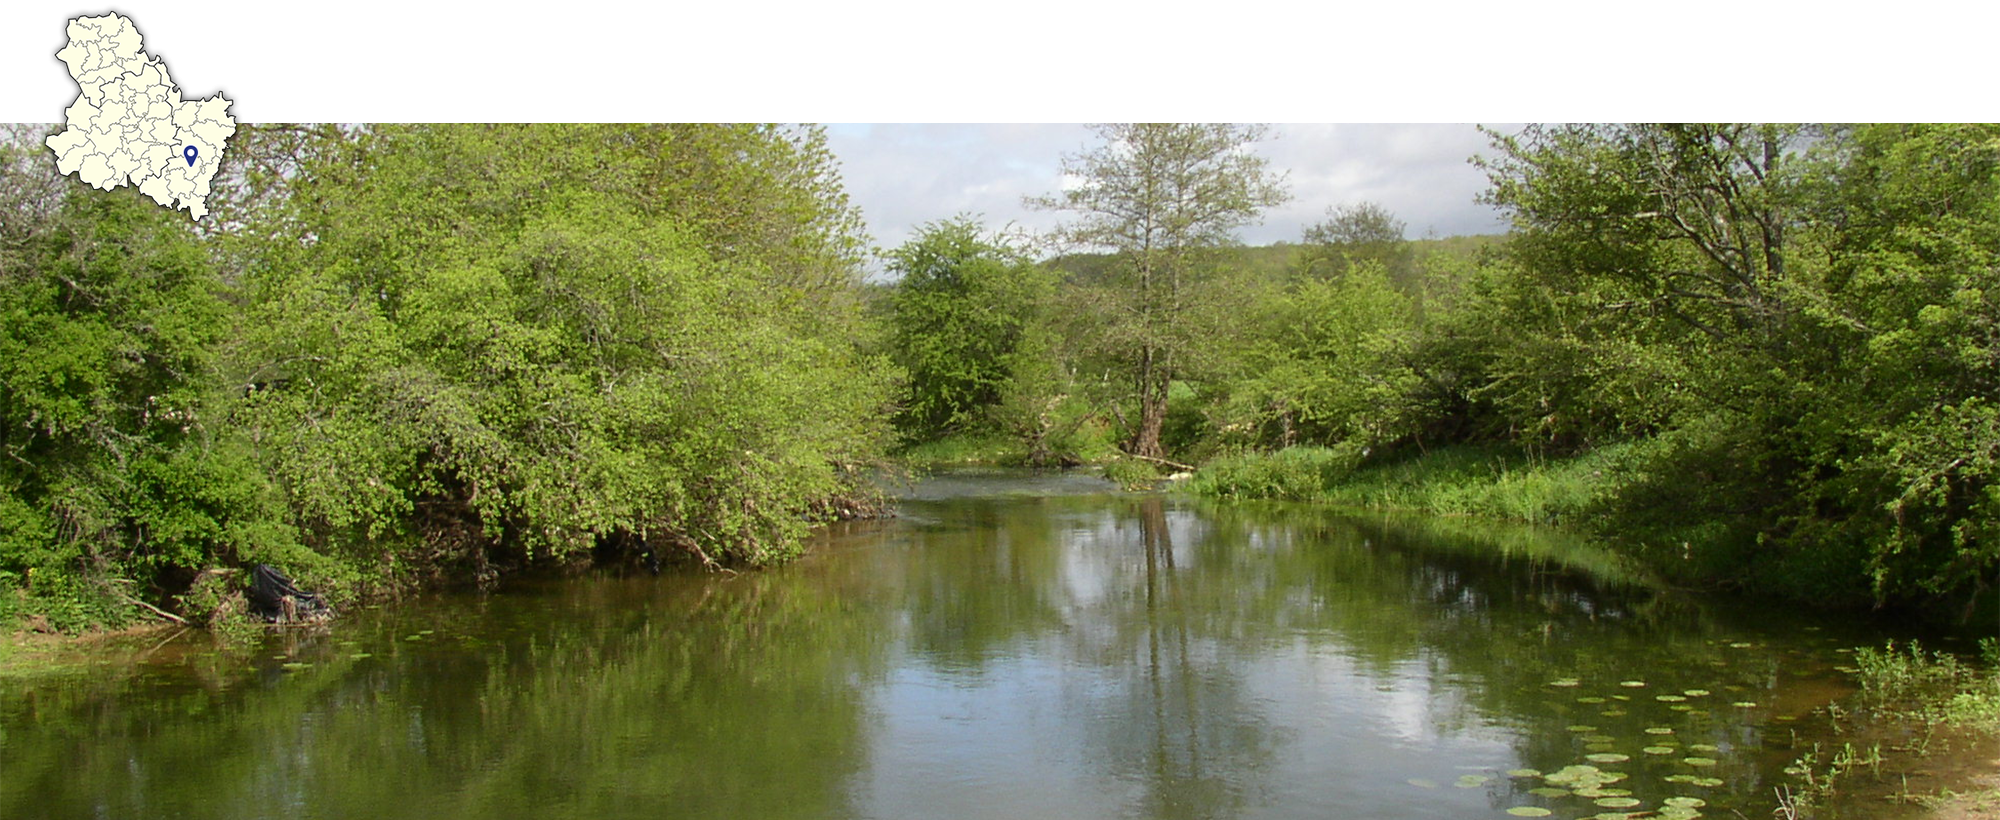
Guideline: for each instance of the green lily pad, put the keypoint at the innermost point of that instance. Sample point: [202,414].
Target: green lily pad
[1579,727]
[1740,645]
[1685,802]
[1702,747]
[1698,761]
[1706,782]
[1617,802]
[1549,791]
[1659,730]
[1598,739]
[1632,683]
[1680,778]
[1745,704]
[1670,698]
[1589,699]
[359,655]
[1613,713]
[1681,707]
[1658,750]
[296,665]
[1524,773]
[1529,811]
[1695,693]
[1565,682]
[1607,757]
[1471,781]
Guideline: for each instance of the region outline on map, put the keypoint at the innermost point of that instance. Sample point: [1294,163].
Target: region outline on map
[129,123]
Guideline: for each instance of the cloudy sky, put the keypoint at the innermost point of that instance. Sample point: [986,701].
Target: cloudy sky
[905,175]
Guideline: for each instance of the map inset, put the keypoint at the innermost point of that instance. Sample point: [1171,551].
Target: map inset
[129,124]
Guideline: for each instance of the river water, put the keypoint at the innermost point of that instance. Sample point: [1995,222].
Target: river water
[1010,646]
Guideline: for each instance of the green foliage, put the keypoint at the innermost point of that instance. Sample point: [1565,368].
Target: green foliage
[1330,364]
[401,351]
[1163,197]
[960,320]
[1354,235]
[526,336]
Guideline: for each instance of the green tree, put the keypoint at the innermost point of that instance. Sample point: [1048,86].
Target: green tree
[487,345]
[1353,234]
[962,304]
[1163,197]
[123,471]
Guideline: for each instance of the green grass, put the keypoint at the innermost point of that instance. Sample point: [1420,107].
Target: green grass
[1459,480]
[965,449]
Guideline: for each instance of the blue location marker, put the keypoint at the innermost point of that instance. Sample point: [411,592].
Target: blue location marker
[190,153]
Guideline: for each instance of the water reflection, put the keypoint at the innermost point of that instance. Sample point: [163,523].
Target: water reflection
[987,655]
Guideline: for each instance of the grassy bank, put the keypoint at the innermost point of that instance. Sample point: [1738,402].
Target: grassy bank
[1460,480]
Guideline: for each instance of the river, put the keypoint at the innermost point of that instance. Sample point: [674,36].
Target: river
[1010,646]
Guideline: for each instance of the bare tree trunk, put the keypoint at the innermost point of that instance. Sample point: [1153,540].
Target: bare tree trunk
[1152,416]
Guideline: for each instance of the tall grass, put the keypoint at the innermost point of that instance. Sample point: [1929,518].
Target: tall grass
[1459,480]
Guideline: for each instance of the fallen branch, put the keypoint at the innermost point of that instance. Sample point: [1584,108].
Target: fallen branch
[155,610]
[1161,461]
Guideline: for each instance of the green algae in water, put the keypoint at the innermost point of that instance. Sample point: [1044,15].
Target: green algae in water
[1579,727]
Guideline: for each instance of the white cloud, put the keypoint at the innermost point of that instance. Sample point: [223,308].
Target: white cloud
[905,175]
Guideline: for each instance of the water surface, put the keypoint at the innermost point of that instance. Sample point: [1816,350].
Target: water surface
[1011,646]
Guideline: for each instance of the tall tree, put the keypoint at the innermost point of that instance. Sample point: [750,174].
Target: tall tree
[1160,196]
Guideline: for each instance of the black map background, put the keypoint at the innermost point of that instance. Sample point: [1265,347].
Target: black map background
[203,49]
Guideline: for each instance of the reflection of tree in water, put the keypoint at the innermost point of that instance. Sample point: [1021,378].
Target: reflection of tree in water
[735,701]
[1174,717]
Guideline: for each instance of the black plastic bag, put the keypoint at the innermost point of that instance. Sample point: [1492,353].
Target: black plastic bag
[273,598]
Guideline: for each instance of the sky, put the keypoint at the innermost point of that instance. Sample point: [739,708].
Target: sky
[904,175]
